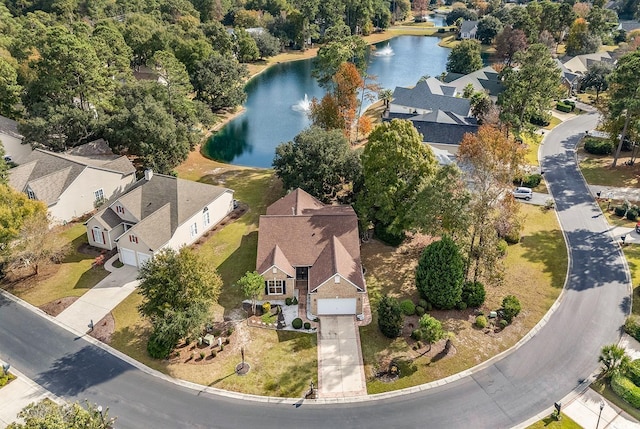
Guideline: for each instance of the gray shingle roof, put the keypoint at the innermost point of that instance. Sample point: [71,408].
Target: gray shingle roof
[440,127]
[429,95]
[485,79]
[49,174]
[9,126]
[468,26]
[162,204]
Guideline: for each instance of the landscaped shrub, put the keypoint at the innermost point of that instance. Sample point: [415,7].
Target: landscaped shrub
[266,307]
[598,146]
[562,107]
[510,307]
[227,340]
[422,303]
[624,388]
[473,294]
[159,348]
[408,307]
[390,319]
[503,323]
[513,237]
[288,301]
[633,372]
[539,120]
[529,180]
[214,353]
[570,103]
[441,30]
[632,326]
[416,334]
[430,329]
[502,247]
[390,238]
[307,325]
[461,305]
[620,210]
[481,322]
[632,214]
[297,323]
[202,355]
[419,311]
[440,274]
[294,301]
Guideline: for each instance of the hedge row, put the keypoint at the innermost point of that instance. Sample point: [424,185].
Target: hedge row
[598,146]
[625,389]
[529,180]
[562,107]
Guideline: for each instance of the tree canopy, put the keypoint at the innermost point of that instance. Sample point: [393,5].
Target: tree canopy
[465,58]
[320,162]
[178,290]
[47,414]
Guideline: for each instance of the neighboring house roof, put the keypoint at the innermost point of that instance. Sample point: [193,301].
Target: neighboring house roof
[486,79]
[628,25]
[440,127]
[9,126]
[468,27]
[49,174]
[569,76]
[160,204]
[580,63]
[431,94]
[300,231]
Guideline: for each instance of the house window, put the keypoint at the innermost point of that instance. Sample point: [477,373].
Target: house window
[99,194]
[31,194]
[275,287]
[133,238]
[206,220]
[194,229]
[98,235]
[119,209]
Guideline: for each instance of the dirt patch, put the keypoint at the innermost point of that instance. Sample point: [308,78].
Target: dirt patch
[22,280]
[103,330]
[56,307]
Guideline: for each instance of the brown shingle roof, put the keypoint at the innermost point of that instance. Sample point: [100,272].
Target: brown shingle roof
[302,238]
[334,259]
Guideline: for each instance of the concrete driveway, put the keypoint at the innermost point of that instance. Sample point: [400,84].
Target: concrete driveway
[340,367]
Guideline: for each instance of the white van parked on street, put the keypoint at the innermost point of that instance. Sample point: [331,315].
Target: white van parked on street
[522,192]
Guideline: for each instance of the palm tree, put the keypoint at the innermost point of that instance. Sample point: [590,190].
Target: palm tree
[614,360]
[385,95]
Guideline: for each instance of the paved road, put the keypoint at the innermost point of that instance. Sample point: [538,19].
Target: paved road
[502,394]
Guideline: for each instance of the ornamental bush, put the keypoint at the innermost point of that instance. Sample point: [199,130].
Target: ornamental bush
[473,294]
[620,210]
[266,307]
[390,318]
[408,307]
[530,180]
[307,325]
[632,326]
[288,301]
[562,107]
[419,311]
[633,372]
[430,329]
[510,307]
[294,301]
[297,323]
[481,322]
[423,303]
[598,146]
[440,274]
[624,388]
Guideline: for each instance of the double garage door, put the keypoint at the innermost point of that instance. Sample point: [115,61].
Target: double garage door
[336,306]
[133,258]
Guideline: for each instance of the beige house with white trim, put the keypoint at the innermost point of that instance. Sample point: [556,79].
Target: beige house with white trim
[71,186]
[309,249]
[158,212]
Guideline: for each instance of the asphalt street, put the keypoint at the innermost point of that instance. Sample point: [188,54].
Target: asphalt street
[502,394]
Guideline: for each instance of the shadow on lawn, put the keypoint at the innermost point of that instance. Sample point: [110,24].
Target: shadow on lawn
[243,259]
[543,247]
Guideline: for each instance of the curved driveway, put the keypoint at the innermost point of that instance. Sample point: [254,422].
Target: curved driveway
[502,394]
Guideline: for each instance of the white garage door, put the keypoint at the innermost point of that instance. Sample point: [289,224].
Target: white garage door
[128,257]
[337,306]
[142,258]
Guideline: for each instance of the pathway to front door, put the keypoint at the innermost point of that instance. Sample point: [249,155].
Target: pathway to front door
[340,366]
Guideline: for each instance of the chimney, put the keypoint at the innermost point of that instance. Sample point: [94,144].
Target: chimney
[148,174]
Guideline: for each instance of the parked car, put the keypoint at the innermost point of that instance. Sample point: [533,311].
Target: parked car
[638,227]
[522,192]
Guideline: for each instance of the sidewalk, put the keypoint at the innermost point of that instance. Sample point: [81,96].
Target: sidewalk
[102,298]
[609,192]
[17,395]
[585,410]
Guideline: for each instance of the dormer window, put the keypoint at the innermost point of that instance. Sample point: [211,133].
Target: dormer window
[99,194]
[133,238]
[31,194]
[119,209]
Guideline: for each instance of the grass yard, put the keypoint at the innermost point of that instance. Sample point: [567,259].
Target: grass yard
[535,273]
[72,278]
[232,249]
[551,423]
[632,254]
[533,145]
[597,170]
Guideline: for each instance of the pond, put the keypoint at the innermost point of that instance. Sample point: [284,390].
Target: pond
[277,100]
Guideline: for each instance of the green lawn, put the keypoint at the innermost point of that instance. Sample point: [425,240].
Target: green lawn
[551,423]
[597,170]
[632,254]
[73,277]
[533,145]
[535,272]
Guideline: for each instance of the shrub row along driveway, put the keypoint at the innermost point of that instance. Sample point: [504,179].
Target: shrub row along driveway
[502,393]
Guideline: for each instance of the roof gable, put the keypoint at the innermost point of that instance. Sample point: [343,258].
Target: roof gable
[335,260]
[295,202]
[429,95]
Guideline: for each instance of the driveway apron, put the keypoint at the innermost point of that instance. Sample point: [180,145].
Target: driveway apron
[340,367]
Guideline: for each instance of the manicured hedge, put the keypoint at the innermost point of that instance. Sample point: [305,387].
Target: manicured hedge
[408,307]
[529,180]
[625,389]
[598,146]
[562,107]
[632,326]
[297,323]
[633,372]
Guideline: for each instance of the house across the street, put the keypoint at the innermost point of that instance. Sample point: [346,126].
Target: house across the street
[158,212]
[312,250]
